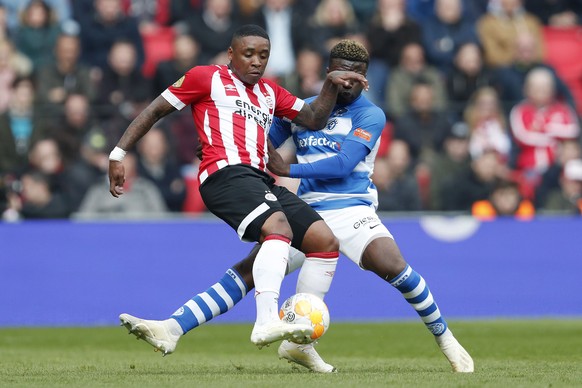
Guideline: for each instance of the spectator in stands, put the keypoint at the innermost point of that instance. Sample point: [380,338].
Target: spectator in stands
[568,198]
[46,157]
[90,167]
[14,9]
[453,160]
[556,13]
[567,150]
[213,28]
[150,14]
[307,79]
[539,123]
[141,197]
[333,21]
[443,34]
[72,126]
[63,77]
[397,186]
[468,75]
[487,124]
[388,32]
[288,31]
[181,9]
[469,186]
[499,28]
[186,53]
[512,77]
[412,68]
[156,165]
[12,65]
[20,126]
[423,126]
[37,34]
[504,201]
[106,25]
[123,90]
[36,200]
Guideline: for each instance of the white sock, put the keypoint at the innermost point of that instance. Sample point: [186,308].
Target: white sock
[268,273]
[173,326]
[317,273]
[296,260]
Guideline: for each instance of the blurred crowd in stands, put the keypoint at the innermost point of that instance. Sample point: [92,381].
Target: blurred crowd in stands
[482,98]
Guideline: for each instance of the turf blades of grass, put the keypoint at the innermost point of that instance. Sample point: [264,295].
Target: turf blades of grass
[520,353]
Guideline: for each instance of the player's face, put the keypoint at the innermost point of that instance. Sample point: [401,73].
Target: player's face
[248,58]
[347,94]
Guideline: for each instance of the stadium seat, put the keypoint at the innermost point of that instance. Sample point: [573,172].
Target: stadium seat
[564,53]
[159,46]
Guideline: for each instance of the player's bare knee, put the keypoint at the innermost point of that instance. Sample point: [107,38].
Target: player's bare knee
[319,238]
[383,257]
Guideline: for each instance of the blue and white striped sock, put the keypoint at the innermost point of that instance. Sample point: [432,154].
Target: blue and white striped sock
[416,292]
[216,300]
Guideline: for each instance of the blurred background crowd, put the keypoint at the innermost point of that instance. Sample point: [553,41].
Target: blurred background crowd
[482,98]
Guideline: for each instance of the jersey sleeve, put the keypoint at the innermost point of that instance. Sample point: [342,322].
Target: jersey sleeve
[338,166]
[191,87]
[287,106]
[368,127]
[279,132]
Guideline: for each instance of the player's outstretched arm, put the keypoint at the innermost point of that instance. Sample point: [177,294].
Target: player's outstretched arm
[314,116]
[138,127]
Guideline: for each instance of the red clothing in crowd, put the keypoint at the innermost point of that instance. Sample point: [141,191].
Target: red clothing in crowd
[537,132]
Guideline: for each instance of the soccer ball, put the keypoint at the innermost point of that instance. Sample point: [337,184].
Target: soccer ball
[306,309]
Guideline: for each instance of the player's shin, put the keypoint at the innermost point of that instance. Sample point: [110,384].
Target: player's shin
[416,292]
[317,273]
[268,273]
[216,300]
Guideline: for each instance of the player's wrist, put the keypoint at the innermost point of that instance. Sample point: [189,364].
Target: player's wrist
[117,154]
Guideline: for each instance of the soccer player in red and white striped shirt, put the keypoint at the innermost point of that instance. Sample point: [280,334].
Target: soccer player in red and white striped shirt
[233,107]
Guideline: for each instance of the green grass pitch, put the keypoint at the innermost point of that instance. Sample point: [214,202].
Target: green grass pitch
[507,353]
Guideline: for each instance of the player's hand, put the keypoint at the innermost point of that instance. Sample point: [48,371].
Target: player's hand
[276,163]
[116,178]
[347,78]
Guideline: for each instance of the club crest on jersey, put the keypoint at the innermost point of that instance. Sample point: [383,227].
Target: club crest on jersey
[269,102]
[270,196]
[331,124]
[179,82]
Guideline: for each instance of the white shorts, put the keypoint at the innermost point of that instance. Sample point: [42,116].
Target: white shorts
[355,227]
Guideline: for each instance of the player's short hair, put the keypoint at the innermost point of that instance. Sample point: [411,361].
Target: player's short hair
[350,50]
[250,30]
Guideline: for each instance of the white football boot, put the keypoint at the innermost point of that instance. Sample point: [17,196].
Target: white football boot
[304,355]
[460,360]
[155,333]
[277,330]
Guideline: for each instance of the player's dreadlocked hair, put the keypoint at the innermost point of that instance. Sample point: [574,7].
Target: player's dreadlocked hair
[350,50]
[250,30]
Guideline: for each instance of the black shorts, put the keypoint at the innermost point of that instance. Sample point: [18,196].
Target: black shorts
[244,197]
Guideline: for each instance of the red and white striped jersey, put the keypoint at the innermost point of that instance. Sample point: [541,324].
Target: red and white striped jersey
[232,118]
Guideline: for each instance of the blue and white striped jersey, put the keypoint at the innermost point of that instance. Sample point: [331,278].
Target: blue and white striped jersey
[361,121]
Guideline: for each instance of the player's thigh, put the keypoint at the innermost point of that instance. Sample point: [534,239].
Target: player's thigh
[242,198]
[306,224]
[355,227]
